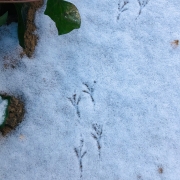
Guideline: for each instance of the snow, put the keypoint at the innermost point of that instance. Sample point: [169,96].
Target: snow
[135,65]
[3,107]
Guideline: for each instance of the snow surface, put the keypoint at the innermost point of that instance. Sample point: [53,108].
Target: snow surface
[128,63]
[3,106]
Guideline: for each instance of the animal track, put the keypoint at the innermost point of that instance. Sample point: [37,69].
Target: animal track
[97,136]
[90,91]
[142,4]
[80,155]
[75,102]
[122,7]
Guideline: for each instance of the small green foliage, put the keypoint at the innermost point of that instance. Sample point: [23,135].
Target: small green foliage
[64,14]
[3,18]
[6,113]
[24,12]
[21,24]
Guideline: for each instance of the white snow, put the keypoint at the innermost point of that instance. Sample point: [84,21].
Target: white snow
[136,66]
[3,107]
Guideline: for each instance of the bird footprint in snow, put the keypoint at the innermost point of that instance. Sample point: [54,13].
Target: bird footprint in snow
[97,136]
[80,154]
[75,102]
[142,4]
[122,7]
[90,90]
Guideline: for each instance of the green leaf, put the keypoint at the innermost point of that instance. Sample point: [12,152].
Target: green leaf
[6,113]
[21,24]
[24,12]
[3,18]
[64,14]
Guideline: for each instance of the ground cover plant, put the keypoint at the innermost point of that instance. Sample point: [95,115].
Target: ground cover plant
[63,13]
[4,103]
[3,18]
[66,17]
[11,113]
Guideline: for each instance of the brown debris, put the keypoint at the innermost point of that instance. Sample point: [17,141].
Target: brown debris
[15,115]
[175,43]
[160,170]
[30,39]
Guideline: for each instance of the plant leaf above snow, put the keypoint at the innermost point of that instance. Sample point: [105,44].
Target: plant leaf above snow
[64,14]
[21,25]
[3,110]
[3,18]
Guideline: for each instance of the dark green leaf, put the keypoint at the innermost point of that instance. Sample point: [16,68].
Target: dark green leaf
[3,18]
[24,12]
[64,14]
[21,25]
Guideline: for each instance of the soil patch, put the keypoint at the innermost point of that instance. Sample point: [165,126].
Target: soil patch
[30,38]
[15,114]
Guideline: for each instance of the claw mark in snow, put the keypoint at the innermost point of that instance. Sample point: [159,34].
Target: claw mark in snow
[80,155]
[90,90]
[97,136]
[122,7]
[75,102]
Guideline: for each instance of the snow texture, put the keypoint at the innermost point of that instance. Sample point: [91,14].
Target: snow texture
[119,74]
[3,107]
